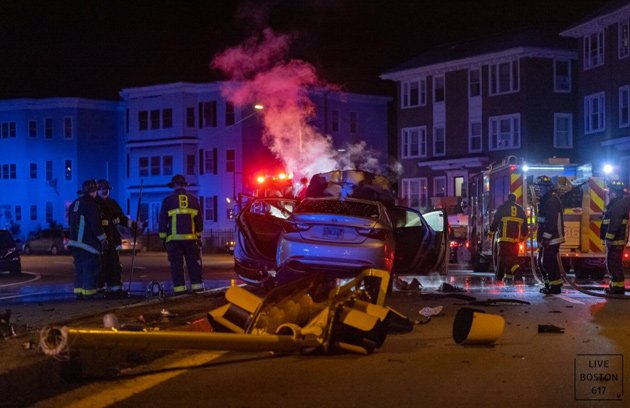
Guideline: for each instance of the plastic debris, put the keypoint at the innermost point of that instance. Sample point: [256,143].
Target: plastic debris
[110,321]
[494,302]
[550,328]
[431,311]
[447,287]
[404,286]
[165,313]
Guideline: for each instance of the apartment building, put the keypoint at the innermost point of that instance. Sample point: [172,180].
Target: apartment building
[47,148]
[603,97]
[465,105]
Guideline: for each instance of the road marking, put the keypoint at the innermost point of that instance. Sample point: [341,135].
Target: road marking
[129,387]
[36,276]
[568,299]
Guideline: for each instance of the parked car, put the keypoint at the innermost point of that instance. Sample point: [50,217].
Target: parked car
[9,253]
[338,233]
[51,241]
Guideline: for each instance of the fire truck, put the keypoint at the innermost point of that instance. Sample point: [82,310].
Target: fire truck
[583,197]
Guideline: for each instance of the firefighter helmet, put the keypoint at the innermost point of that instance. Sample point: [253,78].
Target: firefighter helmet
[89,186]
[544,181]
[104,185]
[617,186]
[178,180]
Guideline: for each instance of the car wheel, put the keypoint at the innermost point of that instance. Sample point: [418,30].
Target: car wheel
[54,250]
[27,250]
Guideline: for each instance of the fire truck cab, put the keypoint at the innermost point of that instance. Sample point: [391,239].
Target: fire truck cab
[583,197]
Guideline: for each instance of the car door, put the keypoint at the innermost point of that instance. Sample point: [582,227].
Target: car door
[421,244]
[259,225]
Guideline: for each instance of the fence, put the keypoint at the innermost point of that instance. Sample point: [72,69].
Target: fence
[213,240]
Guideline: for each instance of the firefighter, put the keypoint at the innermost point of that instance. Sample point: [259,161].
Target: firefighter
[614,233]
[111,269]
[510,221]
[180,229]
[550,234]
[87,240]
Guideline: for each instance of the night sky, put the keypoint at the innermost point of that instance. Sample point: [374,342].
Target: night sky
[95,48]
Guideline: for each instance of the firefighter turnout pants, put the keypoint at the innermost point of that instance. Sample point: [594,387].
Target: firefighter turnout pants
[178,250]
[87,266]
[549,265]
[614,264]
[111,270]
[508,260]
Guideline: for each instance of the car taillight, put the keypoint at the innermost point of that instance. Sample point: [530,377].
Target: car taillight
[295,227]
[376,233]
[454,244]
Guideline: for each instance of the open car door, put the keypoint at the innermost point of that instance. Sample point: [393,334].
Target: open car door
[259,224]
[421,241]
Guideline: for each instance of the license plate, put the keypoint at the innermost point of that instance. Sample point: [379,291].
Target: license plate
[333,233]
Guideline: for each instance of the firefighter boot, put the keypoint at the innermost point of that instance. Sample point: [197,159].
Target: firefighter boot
[551,290]
[616,288]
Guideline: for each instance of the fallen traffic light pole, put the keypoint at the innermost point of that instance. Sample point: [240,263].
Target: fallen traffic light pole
[309,314]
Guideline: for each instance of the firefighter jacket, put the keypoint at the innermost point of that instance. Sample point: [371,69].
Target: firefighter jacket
[112,216]
[180,217]
[86,231]
[615,222]
[550,219]
[511,222]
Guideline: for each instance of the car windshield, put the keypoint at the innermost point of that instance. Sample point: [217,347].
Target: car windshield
[341,207]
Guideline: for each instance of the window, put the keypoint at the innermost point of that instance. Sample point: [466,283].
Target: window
[210,114]
[5,171]
[8,171]
[474,83]
[229,114]
[13,171]
[67,127]
[504,77]
[48,128]
[33,172]
[594,50]
[561,76]
[354,125]
[414,142]
[210,208]
[143,166]
[460,186]
[167,118]
[68,170]
[414,93]
[334,121]
[143,120]
[563,130]
[155,119]
[8,130]
[624,39]
[190,165]
[594,113]
[32,128]
[439,141]
[167,165]
[210,161]
[230,157]
[18,213]
[49,212]
[155,165]
[439,186]
[438,89]
[504,132]
[624,106]
[414,190]
[190,117]
[33,212]
[474,137]
[49,170]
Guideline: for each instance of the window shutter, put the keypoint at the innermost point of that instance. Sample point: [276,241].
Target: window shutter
[214,203]
[214,161]
[201,162]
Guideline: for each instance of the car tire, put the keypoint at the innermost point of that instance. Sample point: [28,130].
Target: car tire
[27,250]
[54,250]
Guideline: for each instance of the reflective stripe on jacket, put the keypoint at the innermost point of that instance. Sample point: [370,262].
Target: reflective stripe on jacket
[615,223]
[86,232]
[550,219]
[180,217]
[511,222]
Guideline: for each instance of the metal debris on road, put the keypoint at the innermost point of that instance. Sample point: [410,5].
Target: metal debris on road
[550,328]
